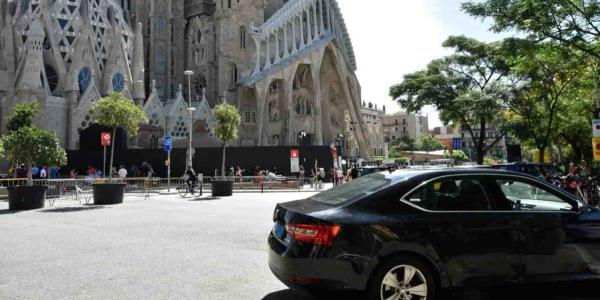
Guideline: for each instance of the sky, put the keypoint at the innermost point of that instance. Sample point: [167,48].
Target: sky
[396,37]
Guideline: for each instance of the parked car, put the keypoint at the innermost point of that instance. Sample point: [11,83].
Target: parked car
[366,170]
[532,169]
[411,233]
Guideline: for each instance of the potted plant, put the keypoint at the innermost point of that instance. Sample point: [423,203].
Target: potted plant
[29,145]
[115,111]
[227,127]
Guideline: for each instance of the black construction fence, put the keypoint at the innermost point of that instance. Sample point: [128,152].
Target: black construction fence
[206,160]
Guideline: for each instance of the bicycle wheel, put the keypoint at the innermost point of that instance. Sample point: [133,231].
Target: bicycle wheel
[196,192]
[182,191]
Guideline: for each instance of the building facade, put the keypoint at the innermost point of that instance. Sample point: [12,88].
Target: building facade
[373,119]
[491,135]
[403,124]
[288,66]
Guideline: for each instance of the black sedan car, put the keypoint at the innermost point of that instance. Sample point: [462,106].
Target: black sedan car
[408,234]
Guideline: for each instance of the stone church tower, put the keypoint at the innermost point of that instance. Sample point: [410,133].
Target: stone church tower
[64,55]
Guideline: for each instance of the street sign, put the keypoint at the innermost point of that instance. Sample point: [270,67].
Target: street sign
[456,144]
[168,143]
[105,138]
[596,145]
[295,160]
[596,127]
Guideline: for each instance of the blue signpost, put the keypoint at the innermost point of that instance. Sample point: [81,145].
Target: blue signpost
[168,148]
[457,144]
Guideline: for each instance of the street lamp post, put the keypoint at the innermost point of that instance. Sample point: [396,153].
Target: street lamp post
[190,109]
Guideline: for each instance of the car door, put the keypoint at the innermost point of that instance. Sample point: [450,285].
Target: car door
[455,216]
[560,238]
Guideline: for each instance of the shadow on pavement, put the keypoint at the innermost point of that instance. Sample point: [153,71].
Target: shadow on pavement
[8,212]
[205,199]
[72,209]
[587,290]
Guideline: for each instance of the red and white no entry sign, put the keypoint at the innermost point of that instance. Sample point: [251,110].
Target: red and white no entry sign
[105,138]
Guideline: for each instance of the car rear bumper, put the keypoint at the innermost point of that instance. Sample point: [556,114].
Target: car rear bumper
[326,274]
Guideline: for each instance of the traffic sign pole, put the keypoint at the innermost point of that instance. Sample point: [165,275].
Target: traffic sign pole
[168,147]
[104,163]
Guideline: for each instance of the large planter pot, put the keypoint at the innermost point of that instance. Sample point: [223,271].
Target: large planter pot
[26,197]
[222,188]
[108,193]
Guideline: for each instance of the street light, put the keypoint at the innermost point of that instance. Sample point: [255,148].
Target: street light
[191,109]
[302,135]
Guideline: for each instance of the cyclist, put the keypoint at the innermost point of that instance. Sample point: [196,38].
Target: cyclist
[191,179]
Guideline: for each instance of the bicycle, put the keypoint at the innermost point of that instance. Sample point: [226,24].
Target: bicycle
[195,190]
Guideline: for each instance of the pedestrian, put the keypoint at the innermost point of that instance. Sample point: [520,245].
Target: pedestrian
[54,172]
[354,172]
[572,181]
[72,174]
[301,177]
[35,172]
[43,173]
[122,172]
[340,176]
[333,175]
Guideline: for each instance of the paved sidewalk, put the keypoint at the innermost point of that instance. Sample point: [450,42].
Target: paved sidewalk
[168,248]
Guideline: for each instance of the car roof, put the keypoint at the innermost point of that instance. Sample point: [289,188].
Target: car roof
[428,173]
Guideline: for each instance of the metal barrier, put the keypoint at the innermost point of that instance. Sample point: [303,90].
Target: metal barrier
[80,189]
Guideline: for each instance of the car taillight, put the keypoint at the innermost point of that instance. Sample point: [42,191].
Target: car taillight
[312,233]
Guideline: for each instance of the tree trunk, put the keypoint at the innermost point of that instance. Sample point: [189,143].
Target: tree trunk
[480,155]
[223,161]
[112,154]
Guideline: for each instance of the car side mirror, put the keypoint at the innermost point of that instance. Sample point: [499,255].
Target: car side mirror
[519,205]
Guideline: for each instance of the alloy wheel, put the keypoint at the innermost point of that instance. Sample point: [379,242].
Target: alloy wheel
[404,282]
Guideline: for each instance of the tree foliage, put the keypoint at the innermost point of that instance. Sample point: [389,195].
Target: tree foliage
[548,73]
[22,116]
[228,124]
[457,155]
[429,143]
[28,144]
[572,23]
[468,88]
[116,111]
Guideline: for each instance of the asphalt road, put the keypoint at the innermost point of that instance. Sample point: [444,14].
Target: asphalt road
[167,248]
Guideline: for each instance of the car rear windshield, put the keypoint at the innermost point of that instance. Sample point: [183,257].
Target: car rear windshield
[355,189]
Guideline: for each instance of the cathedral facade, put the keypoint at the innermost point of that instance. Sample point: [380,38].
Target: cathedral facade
[288,65]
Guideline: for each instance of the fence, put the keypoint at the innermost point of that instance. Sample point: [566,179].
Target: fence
[80,189]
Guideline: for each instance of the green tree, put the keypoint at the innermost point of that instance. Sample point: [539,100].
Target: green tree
[30,145]
[549,73]
[429,143]
[457,155]
[115,111]
[572,23]
[404,143]
[22,116]
[467,88]
[228,124]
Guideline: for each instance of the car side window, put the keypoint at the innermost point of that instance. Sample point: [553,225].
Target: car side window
[452,194]
[526,196]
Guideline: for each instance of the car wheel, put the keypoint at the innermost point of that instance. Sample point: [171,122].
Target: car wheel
[402,278]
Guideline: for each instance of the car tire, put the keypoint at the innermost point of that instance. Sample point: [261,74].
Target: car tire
[422,276]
